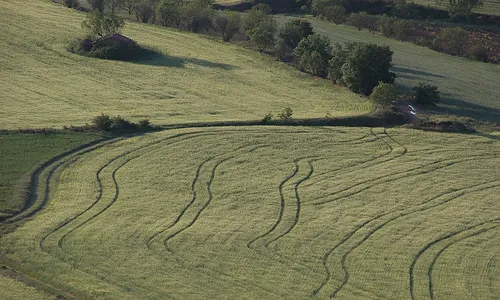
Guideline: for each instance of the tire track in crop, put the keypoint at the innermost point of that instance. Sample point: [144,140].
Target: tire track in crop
[282,207]
[404,212]
[297,198]
[436,257]
[363,164]
[99,182]
[194,193]
[433,166]
[209,198]
[53,164]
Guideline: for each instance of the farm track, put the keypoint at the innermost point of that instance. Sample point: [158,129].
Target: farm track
[297,198]
[436,257]
[209,198]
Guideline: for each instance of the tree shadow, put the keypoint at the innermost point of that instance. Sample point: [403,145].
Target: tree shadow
[408,73]
[162,60]
[451,105]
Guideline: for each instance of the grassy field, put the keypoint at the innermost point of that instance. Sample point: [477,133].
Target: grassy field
[21,153]
[272,213]
[490,7]
[201,79]
[14,290]
[468,88]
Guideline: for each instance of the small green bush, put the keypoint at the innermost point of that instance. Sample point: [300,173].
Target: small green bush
[479,53]
[452,40]
[120,124]
[101,24]
[426,94]
[102,122]
[267,118]
[286,115]
[144,123]
[384,94]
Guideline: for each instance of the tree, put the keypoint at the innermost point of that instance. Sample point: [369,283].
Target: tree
[312,55]
[336,14]
[461,8]
[360,20]
[227,24]
[318,7]
[426,94]
[169,12]
[144,10]
[112,5]
[97,5]
[128,5]
[71,3]
[384,94]
[263,35]
[452,40]
[294,31]
[252,18]
[365,66]
[101,24]
[198,15]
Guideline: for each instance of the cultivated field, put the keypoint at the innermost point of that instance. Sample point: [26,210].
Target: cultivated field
[201,79]
[270,213]
[468,88]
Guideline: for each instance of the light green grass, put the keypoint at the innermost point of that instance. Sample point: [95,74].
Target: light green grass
[490,7]
[468,88]
[21,153]
[356,204]
[11,289]
[203,79]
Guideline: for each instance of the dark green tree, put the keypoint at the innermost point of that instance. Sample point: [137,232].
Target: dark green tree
[312,55]
[294,31]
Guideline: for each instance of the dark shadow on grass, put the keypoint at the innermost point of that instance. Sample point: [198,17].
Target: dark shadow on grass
[409,73]
[154,58]
[451,105]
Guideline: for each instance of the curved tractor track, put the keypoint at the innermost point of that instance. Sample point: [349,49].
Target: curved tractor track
[253,213]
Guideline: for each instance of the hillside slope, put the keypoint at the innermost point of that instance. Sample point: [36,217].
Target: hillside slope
[201,79]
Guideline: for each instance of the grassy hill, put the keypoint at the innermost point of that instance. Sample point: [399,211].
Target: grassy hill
[272,213]
[468,88]
[490,7]
[201,79]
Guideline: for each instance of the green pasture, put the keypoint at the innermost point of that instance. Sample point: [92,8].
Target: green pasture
[272,213]
[201,78]
[20,154]
[11,289]
[468,88]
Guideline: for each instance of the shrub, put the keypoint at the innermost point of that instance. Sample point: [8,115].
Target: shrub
[169,12]
[72,3]
[361,20]
[294,31]
[336,14]
[363,66]
[286,115]
[227,24]
[262,36]
[101,24]
[144,123]
[282,51]
[386,26]
[120,124]
[102,122]
[403,30]
[384,94]
[479,53]
[312,55]
[97,5]
[452,40]
[267,118]
[426,94]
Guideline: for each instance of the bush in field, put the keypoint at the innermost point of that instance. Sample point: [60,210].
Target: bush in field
[361,66]
[286,115]
[101,24]
[145,11]
[384,94]
[312,55]
[72,3]
[102,122]
[361,20]
[452,40]
[479,53]
[426,94]
[294,31]
[267,118]
[97,5]
[262,36]
[169,12]
[227,24]
[336,14]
